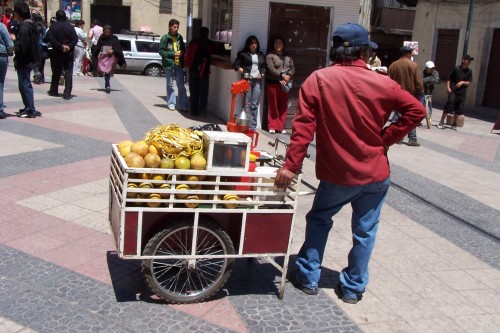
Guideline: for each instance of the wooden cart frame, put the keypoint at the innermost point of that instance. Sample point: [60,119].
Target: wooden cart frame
[260,225]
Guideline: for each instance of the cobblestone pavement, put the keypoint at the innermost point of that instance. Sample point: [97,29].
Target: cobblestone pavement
[435,267]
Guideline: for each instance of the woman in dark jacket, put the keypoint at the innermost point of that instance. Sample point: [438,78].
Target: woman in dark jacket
[108,46]
[250,62]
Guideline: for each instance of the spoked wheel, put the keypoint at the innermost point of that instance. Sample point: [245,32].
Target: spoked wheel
[183,280]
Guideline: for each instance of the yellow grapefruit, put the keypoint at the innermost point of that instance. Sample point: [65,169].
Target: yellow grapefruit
[140,147]
[152,160]
[167,163]
[182,162]
[198,162]
[134,160]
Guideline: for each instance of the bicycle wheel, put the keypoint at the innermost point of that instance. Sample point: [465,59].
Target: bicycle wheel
[183,280]
[428,113]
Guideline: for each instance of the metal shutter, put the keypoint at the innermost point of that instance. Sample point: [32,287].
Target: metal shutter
[492,87]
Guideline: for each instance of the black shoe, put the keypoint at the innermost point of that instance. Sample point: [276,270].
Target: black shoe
[349,297]
[50,93]
[67,98]
[293,280]
[26,114]
[3,115]
[108,90]
[454,127]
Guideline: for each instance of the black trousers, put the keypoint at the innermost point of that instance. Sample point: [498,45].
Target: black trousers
[59,62]
[198,94]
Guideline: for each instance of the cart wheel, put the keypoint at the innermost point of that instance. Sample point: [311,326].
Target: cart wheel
[182,280]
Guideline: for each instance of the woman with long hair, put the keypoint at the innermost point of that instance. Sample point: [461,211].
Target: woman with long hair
[280,70]
[108,56]
[250,63]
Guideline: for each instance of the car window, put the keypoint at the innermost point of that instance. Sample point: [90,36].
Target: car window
[147,46]
[125,44]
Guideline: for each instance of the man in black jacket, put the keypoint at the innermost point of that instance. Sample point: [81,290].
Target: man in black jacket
[27,57]
[62,37]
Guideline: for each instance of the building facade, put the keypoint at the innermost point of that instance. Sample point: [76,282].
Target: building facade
[444,36]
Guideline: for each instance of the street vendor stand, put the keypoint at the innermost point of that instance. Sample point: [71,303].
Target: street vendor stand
[188,239]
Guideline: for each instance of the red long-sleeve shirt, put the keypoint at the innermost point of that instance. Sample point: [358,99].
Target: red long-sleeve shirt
[347,106]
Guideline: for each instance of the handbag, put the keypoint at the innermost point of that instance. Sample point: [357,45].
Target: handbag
[106,64]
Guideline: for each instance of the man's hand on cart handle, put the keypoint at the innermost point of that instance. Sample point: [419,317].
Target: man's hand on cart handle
[283,178]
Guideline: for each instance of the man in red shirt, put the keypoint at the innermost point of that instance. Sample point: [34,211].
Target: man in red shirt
[347,105]
[6,17]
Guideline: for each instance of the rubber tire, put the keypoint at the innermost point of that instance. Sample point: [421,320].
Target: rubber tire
[205,228]
[153,70]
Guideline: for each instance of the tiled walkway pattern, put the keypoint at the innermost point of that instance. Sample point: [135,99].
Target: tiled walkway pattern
[435,267]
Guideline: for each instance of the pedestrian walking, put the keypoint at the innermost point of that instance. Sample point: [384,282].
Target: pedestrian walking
[198,61]
[405,72]
[38,72]
[27,56]
[346,106]
[172,49]
[280,70]
[62,36]
[458,81]
[251,64]
[80,47]
[110,54]
[94,33]
[6,49]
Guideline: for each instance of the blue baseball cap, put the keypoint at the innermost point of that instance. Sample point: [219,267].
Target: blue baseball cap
[353,34]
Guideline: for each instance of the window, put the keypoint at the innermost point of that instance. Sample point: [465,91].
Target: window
[147,46]
[125,44]
[165,6]
[221,28]
[446,51]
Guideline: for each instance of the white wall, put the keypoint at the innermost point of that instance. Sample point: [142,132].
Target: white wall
[252,18]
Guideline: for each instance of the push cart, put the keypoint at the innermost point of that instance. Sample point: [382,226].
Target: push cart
[189,236]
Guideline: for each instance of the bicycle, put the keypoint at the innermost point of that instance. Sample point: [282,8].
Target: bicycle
[427,99]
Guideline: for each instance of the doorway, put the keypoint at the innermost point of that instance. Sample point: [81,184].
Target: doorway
[306,32]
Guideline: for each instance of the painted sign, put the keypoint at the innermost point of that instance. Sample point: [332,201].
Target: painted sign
[72,9]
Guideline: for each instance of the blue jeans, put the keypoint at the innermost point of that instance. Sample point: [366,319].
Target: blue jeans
[4,63]
[26,89]
[177,73]
[252,98]
[366,202]
[107,78]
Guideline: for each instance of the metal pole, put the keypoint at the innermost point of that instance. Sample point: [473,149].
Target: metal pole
[467,30]
[189,34]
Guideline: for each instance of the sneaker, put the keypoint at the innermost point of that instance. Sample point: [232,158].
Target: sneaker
[3,115]
[108,90]
[272,131]
[440,125]
[413,143]
[454,127]
[309,291]
[61,81]
[26,114]
[283,132]
[171,107]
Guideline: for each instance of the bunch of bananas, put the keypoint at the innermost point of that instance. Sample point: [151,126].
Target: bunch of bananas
[173,141]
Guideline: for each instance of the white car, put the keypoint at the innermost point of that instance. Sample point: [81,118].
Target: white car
[141,53]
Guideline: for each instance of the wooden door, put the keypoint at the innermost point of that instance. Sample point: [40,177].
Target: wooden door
[306,32]
[492,86]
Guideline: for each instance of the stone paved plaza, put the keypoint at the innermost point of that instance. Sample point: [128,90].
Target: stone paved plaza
[435,267]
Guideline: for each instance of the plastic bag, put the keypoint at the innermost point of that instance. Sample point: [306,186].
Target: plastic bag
[106,64]
[206,127]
